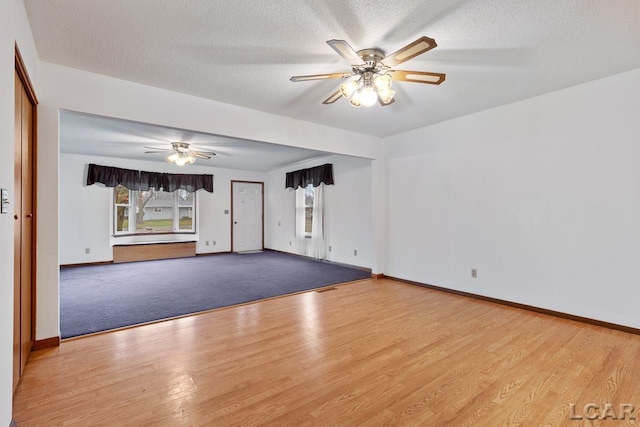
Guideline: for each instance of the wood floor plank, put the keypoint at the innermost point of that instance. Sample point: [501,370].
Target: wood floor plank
[370,353]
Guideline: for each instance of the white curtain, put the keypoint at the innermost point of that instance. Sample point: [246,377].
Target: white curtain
[317,245]
[301,241]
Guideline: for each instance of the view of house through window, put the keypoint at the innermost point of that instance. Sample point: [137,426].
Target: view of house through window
[153,211]
[308,209]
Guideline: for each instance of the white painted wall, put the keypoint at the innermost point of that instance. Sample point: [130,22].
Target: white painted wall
[541,196]
[85,211]
[348,218]
[14,28]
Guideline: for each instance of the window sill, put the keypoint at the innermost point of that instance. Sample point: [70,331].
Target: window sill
[154,242]
[157,233]
[150,238]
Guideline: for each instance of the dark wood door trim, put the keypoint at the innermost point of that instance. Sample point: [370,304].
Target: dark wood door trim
[23,75]
[231,211]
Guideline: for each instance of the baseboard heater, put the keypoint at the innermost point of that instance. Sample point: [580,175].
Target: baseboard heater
[152,251]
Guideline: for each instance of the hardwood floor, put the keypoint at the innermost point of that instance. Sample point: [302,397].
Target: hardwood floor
[370,353]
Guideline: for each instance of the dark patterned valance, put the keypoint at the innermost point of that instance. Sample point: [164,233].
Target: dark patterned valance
[142,180]
[315,176]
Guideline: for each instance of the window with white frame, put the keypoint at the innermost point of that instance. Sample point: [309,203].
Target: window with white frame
[308,209]
[143,212]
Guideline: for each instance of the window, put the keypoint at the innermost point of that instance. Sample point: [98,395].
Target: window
[308,209]
[139,212]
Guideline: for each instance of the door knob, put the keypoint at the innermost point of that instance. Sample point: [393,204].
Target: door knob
[29,215]
[15,217]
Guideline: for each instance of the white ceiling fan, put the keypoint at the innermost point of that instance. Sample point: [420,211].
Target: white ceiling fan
[181,153]
[372,72]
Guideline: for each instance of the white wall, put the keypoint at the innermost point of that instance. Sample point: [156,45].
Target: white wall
[14,28]
[541,196]
[348,218]
[85,211]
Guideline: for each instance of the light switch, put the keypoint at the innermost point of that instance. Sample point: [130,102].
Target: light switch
[4,201]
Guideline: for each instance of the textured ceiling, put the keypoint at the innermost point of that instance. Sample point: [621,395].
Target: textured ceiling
[243,52]
[102,136]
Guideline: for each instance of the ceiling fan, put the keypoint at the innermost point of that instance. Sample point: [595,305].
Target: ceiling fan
[181,154]
[372,72]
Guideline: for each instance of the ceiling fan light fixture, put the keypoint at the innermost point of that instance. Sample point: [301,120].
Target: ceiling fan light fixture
[368,96]
[182,158]
[347,89]
[355,100]
[386,96]
[382,82]
[173,157]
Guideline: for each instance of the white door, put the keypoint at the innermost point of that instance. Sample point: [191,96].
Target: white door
[247,216]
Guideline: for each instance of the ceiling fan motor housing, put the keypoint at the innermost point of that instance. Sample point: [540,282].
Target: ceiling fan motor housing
[372,60]
[180,146]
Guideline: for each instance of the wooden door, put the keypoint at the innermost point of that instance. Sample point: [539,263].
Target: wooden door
[24,225]
[247,215]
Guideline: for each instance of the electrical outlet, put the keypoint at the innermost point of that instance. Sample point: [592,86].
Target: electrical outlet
[329,248]
[206,243]
[289,242]
[474,273]
[355,252]
[214,243]
[226,211]
[87,250]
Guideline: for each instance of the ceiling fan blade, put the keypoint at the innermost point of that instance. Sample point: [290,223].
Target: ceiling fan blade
[204,153]
[202,156]
[418,47]
[333,97]
[345,50]
[388,103]
[320,77]
[157,152]
[159,148]
[417,77]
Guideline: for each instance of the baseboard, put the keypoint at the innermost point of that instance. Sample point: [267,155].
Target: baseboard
[213,253]
[341,264]
[46,343]
[84,264]
[376,276]
[535,309]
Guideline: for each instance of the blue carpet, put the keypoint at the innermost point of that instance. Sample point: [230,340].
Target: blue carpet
[103,297]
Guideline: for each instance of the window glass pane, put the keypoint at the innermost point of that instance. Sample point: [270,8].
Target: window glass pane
[154,211]
[308,210]
[185,210]
[185,198]
[308,219]
[185,217]
[308,195]
[122,218]
[122,195]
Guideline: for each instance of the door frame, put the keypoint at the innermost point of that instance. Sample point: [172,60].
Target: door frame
[231,211]
[23,75]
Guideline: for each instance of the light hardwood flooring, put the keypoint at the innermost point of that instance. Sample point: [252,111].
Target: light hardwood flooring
[370,353]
